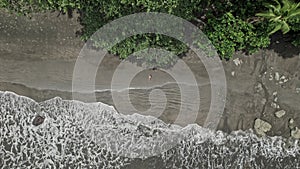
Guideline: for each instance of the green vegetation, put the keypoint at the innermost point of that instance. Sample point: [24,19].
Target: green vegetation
[231,25]
[284,16]
[229,34]
[281,15]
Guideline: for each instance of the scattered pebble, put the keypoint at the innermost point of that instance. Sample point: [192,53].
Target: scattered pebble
[232,73]
[283,79]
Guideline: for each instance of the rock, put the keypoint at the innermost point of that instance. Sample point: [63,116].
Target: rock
[232,73]
[261,127]
[295,133]
[263,101]
[271,77]
[282,77]
[277,77]
[237,61]
[38,120]
[259,87]
[298,90]
[274,105]
[291,124]
[146,131]
[280,113]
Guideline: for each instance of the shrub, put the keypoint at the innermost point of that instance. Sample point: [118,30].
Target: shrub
[229,24]
[107,10]
[229,34]
[26,7]
[244,10]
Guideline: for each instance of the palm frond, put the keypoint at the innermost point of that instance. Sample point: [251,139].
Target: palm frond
[287,3]
[281,14]
[276,19]
[294,13]
[277,28]
[266,14]
[285,28]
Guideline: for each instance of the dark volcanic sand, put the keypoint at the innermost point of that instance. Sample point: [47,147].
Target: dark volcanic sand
[37,57]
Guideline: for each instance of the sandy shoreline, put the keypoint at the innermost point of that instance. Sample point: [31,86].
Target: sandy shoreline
[37,60]
[246,102]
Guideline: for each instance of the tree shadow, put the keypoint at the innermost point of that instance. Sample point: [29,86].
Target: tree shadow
[282,45]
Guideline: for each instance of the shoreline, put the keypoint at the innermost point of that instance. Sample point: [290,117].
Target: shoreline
[41,53]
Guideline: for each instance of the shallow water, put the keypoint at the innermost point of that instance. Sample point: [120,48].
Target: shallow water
[86,135]
[161,96]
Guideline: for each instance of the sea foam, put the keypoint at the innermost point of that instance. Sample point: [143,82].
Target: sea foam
[94,135]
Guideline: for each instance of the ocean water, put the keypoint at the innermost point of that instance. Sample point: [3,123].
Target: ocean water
[94,135]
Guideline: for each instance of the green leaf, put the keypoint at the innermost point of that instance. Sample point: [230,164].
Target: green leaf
[277,27]
[273,8]
[285,28]
[276,19]
[267,14]
[295,13]
[287,3]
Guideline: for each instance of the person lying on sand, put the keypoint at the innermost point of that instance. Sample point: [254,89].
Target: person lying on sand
[149,77]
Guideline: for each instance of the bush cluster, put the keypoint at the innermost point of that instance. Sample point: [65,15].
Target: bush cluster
[229,34]
[231,25]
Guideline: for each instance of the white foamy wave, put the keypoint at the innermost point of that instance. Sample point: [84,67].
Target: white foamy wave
[149,88]
[93,135]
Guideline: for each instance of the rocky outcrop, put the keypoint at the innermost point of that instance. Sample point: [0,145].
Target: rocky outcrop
[264,86]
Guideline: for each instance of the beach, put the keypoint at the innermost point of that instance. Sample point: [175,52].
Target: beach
[38,57]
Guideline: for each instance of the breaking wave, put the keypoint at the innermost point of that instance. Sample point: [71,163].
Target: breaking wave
[94,135]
